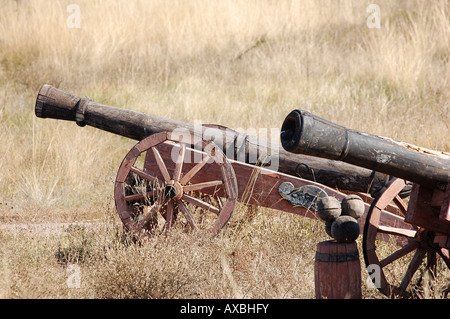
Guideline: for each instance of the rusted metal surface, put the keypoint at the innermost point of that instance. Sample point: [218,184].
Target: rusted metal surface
[306,196]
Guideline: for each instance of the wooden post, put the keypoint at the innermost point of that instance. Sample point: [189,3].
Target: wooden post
[337,273]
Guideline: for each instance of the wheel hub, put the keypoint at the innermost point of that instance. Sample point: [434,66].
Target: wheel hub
[173,190]
[426,239]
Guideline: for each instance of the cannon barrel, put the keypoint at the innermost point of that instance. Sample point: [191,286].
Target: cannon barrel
[305,133]
[54,103]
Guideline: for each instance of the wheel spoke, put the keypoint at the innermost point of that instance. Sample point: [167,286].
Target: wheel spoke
[187,214]
[144,175]
[412,268]
[160,186]
[194,170]
[390,193]
[417,251]
[408,233]
[400,204]
[179,163]
[200,203]
[199,186]
[444,253]
[399,253]
[160,163]
[432,262]
[133,197]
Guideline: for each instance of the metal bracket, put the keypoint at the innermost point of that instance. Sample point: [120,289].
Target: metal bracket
[305,196]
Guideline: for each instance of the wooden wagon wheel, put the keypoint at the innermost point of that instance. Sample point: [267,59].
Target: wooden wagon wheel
[163,174]
[394,268]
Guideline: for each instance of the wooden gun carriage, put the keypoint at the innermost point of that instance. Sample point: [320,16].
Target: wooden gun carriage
[182,175]
[188,162]
[424,232]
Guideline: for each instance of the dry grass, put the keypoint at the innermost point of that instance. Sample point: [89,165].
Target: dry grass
[247,260]
[237,63]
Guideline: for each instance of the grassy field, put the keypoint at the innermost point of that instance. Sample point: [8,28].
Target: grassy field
[242,64]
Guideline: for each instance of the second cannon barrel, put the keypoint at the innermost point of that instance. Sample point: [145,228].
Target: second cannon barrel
[306,133]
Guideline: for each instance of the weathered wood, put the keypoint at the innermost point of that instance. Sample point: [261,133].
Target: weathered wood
[421,213]
[337,273]
[168,194]
[425,238]
[303,132]
[54,103]
[258,185]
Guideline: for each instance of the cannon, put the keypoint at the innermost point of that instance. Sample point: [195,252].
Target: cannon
[183,175]
[424,232]
[57,104]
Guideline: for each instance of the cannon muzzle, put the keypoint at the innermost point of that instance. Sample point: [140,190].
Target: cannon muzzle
[305,133]
[54,103]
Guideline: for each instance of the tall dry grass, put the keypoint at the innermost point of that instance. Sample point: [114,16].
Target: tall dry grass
[243,64]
